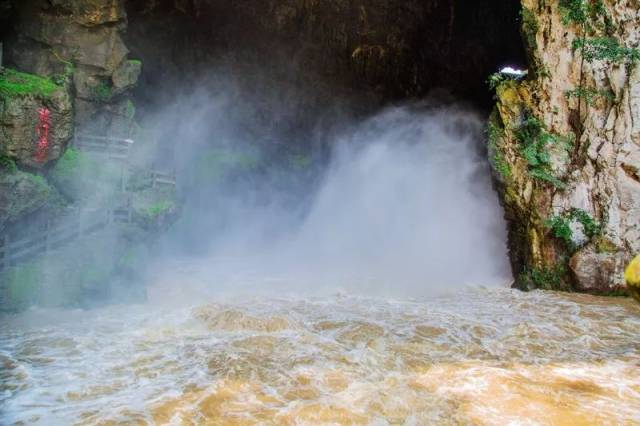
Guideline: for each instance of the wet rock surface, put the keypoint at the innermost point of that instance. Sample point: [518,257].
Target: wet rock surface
[25,96]
[564,145]
[82,42]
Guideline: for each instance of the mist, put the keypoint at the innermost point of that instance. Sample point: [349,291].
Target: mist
[396,202]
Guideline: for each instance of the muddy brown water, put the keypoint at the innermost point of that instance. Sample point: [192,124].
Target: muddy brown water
[472,356]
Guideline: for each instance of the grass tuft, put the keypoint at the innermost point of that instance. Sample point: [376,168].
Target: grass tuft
[15,83]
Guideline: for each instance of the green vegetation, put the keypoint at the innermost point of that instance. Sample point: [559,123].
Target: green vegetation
[587,14]
[499,162]
[530,26]
[560,226]
[7,164]
[592,17]
[78,175]
[590,226]
[546,278]
[495,80]
[159,208]
[39,182]
[605,49]
[131,110]
[604,245]
[15,83]
[217,163]
[69,69]
[68,164]
[102,91]
[590,95]
[22,285]
[534,142]
[27,193]
[547,176]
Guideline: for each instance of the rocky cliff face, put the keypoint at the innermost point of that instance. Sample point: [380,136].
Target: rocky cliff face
[81,41]
[564,142]
[565,145]
[36,118]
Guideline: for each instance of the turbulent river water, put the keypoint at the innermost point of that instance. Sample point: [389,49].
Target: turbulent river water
[472,356]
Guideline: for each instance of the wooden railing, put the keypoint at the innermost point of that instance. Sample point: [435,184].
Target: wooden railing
[48,238]
[13,251]
[162,178]
[117,148]
[120,149]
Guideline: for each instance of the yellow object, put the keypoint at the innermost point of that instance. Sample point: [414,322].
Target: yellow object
[632,277]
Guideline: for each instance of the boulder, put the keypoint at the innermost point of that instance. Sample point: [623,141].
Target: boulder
[598,272]
[126,75]
[23,99]
[21,194]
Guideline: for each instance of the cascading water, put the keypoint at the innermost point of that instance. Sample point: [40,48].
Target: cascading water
[369,310]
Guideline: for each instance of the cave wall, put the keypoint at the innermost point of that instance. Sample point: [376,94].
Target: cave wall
[395,49]
[565,146]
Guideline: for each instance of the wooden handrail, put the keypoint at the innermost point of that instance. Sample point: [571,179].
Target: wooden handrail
[105,138]
[11,252]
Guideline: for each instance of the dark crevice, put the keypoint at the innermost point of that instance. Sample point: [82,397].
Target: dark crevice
[390,50]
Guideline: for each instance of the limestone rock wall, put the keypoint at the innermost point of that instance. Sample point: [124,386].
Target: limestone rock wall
[80,41]
[24,98]
[565,146]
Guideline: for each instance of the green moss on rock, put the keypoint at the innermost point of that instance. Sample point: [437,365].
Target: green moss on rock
[22,286]
[15,83]
[21,193]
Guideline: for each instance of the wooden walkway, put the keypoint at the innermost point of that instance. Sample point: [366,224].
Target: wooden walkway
[47,237]
[116,148]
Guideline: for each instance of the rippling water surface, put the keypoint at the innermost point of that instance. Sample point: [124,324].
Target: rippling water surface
[477,356]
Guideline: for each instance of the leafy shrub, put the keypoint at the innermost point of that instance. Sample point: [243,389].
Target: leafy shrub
[546,278]
[534,143]
[590,226]
[7,164]
[498,160]
[605,49]
[561,229]
[102,91]
[561,226]
[159,208]
[495,80]
[589,95]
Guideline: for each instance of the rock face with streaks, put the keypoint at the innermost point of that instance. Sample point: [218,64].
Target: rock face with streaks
[565,146]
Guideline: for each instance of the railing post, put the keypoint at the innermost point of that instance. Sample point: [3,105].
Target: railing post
[153,176]
[47,228]
[4,261]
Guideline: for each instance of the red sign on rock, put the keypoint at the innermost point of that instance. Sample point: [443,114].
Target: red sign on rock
[42,129]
